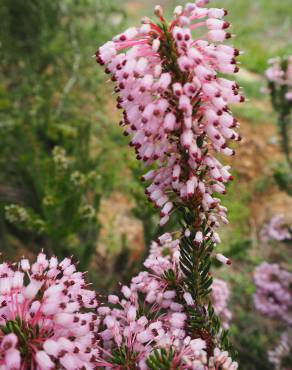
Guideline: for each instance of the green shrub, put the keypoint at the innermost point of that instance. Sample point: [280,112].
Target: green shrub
[52,147]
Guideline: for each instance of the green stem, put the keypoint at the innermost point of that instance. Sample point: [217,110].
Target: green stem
[284,123]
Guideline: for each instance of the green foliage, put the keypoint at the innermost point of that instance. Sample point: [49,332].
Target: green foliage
[283,177]
[123,357]
[251,339]
[162,359]
[52,148]
[64,211]
[195,263]
[287,362]
[24,332]
[29,25]
[283,108]
[239,250]
[238,196]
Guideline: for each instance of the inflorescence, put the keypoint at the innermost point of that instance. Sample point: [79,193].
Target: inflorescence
[273,292]
[48,316]
[175,101]
[175,105]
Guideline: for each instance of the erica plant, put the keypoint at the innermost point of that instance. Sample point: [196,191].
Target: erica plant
[279,76]
[145,328]
[276,229]
[273,296]
[280,356]
[175,103]
[273,299]
[47,316]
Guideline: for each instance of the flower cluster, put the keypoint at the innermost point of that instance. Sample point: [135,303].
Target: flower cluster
[220,298]
[151,315]
[47,316]
[24,218]
[276,229]
[279,77]
[282,352]
[165,255]
[60,158]
[273,295]
[280,73]
[176,105]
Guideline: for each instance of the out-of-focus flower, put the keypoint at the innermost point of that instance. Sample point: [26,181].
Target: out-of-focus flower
[279,76]
[273,296]
[276,229]
[280,71]
[78,179]
[220,298]
[15,214]
[47,316]
[23,217]
[282,352]
[288,95]
[60,158]
[87,212]
[274,73]
[49,201]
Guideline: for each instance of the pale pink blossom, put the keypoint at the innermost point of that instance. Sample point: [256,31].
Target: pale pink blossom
[161,322]
[282,352]
[288,95]
[170,106]
[47,316]
[276,229]
[276,74]
[176,108]
[220,298]
[273,296]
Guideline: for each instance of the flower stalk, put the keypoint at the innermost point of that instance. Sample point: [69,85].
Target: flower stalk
[279,76]
[176,107]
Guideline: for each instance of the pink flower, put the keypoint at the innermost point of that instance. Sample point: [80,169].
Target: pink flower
[273,295]
[162,320]
[175,106]
[220,299]
[288,95]
[282,352]
[47,316]
[276,74]
[9,355]
[276,229]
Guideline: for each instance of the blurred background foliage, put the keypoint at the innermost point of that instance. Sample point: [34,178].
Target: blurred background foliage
[68,182]
[52,145]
